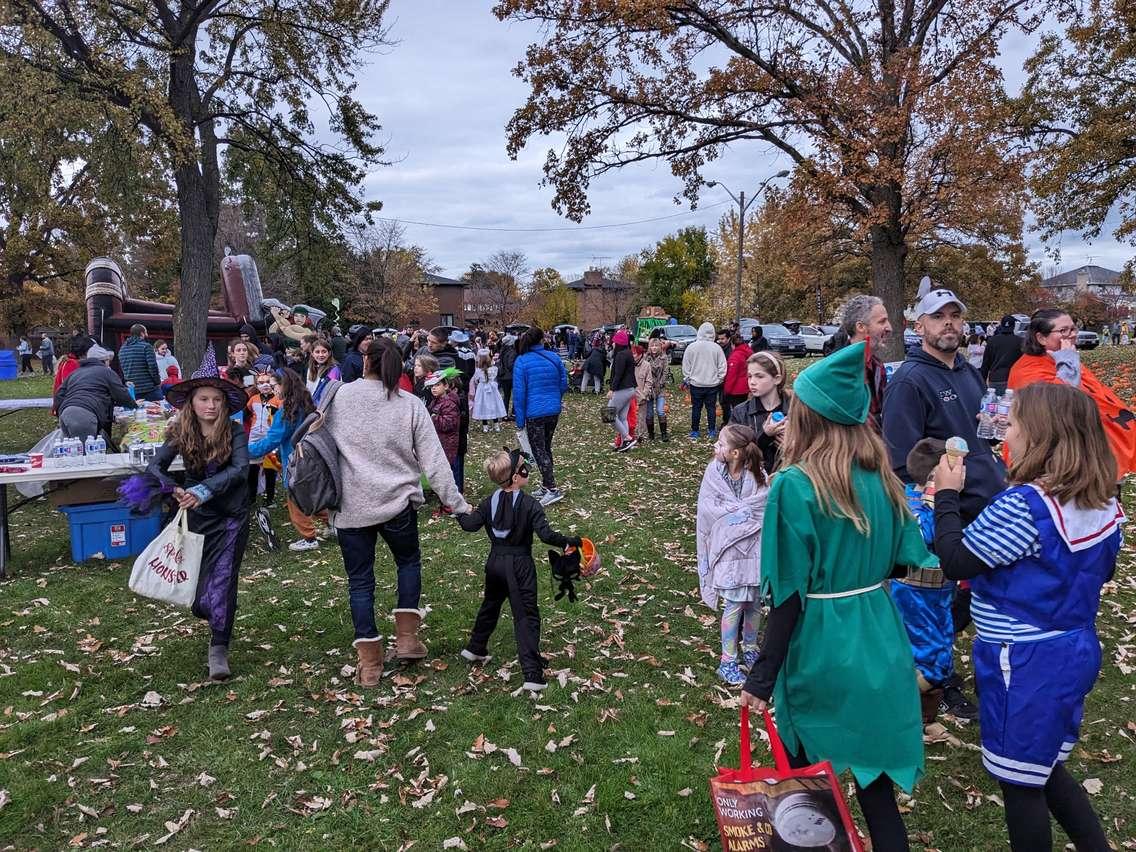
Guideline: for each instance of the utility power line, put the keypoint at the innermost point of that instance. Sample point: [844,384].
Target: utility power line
[547,230]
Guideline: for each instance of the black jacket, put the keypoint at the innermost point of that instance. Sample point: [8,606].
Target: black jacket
[227,482]
[352,366]
[95,387]
[752,413]
[622,370]
[926,399]
[505,362]
[596,362]
[1002,352]
[528,517]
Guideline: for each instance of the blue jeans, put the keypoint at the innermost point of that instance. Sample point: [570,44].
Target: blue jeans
[400,534]
[457,468]
[707,398]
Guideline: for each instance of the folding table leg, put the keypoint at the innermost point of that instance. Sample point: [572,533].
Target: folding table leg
[5,536]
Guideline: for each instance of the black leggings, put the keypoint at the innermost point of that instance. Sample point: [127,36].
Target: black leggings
[254,481]
[881,812]
[539,431]
[1028,810]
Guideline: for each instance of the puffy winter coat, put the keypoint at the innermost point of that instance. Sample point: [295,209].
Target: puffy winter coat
[539,383]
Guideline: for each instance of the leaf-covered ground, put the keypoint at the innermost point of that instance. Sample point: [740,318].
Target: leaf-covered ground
[109,736]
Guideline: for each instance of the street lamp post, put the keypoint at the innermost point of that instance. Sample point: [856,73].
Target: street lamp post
[743,206]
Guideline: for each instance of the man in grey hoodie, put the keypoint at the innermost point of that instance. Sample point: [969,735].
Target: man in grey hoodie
[703,369]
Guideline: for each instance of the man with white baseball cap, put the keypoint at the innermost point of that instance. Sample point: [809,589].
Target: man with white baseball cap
[936,393]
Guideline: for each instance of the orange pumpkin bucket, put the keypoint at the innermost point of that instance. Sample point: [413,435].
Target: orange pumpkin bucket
[589,559]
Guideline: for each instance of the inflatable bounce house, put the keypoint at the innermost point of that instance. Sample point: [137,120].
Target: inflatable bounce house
[111,311]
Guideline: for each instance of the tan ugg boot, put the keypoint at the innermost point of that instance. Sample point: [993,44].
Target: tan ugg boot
[407,645]
[369,667]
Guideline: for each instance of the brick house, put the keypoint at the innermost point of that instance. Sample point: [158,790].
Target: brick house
[484,309]
[601,300]
[450,294]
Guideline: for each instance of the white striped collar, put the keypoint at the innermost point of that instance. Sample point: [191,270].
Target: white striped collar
[1079,528]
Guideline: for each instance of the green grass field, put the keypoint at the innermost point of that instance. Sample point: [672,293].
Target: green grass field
[109,736]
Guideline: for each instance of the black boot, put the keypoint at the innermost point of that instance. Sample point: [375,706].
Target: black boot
[663,428]
[650,430]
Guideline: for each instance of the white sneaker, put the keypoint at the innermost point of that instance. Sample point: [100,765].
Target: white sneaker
[534,686]
[539,492]
[304,544]
[485,427]
[554,495]
[496,427]
[471,657]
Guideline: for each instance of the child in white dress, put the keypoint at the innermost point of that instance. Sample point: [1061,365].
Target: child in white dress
[485,401]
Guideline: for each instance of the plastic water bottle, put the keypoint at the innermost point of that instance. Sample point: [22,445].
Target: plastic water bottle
[101,448]
[1002,419]
[90,450]
[986,415]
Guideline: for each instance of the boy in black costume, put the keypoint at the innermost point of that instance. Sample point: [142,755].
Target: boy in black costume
[510,516]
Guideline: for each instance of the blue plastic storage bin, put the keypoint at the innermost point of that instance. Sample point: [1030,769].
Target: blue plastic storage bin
[9,364]
[109,529]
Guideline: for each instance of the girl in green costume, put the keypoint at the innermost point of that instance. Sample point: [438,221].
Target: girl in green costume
[836,659]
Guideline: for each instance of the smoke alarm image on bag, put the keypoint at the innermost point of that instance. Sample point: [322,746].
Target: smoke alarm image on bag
[780,808]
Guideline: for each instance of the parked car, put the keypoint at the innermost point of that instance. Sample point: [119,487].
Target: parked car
[680,335]
[1087,339]
[816,336]
[912,342]
[783,341]
[745,326]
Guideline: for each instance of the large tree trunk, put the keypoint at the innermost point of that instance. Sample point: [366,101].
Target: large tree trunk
[888,254]
[196,176]
[191,313]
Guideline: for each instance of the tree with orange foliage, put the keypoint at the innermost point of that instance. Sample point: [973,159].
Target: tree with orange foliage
[798,256]
[891,112]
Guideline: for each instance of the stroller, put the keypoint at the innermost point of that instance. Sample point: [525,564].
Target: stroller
[575,375]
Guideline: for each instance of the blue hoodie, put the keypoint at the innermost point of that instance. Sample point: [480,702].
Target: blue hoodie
[926,399]
[539,382]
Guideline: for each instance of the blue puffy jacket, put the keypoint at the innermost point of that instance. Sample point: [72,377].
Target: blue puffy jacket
[279,438]
[539,382]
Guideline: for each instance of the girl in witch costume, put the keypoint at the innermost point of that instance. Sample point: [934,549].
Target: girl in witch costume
[213,487]
[836,659]
[1037,557]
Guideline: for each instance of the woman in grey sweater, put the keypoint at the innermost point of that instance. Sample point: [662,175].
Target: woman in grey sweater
[386,443]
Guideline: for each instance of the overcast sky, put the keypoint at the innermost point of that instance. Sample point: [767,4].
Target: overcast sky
[444,93]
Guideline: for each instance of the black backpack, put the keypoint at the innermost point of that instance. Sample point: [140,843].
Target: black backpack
[314,483]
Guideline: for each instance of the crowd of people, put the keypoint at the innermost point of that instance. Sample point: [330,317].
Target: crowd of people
[863,513]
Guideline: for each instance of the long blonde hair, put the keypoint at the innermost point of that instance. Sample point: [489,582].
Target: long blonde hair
[1067,454]
[826,452]
[198,449]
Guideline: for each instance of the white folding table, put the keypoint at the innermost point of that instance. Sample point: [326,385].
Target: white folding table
[117,464]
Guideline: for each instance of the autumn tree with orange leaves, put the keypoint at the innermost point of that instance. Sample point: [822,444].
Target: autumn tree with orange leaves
[891,112]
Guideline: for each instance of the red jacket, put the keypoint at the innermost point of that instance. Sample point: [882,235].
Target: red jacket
[736,383]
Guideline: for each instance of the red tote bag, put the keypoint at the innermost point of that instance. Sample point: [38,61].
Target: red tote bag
[781,808]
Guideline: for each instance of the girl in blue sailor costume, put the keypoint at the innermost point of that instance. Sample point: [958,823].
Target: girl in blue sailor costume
[1037,557]
[510,517]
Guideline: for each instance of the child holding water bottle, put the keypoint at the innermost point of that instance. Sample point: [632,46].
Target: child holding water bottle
[731,508]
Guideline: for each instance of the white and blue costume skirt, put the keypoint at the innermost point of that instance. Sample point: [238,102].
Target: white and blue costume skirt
[1032,687]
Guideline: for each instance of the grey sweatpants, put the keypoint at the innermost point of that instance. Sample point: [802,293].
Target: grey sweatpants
[78,422]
